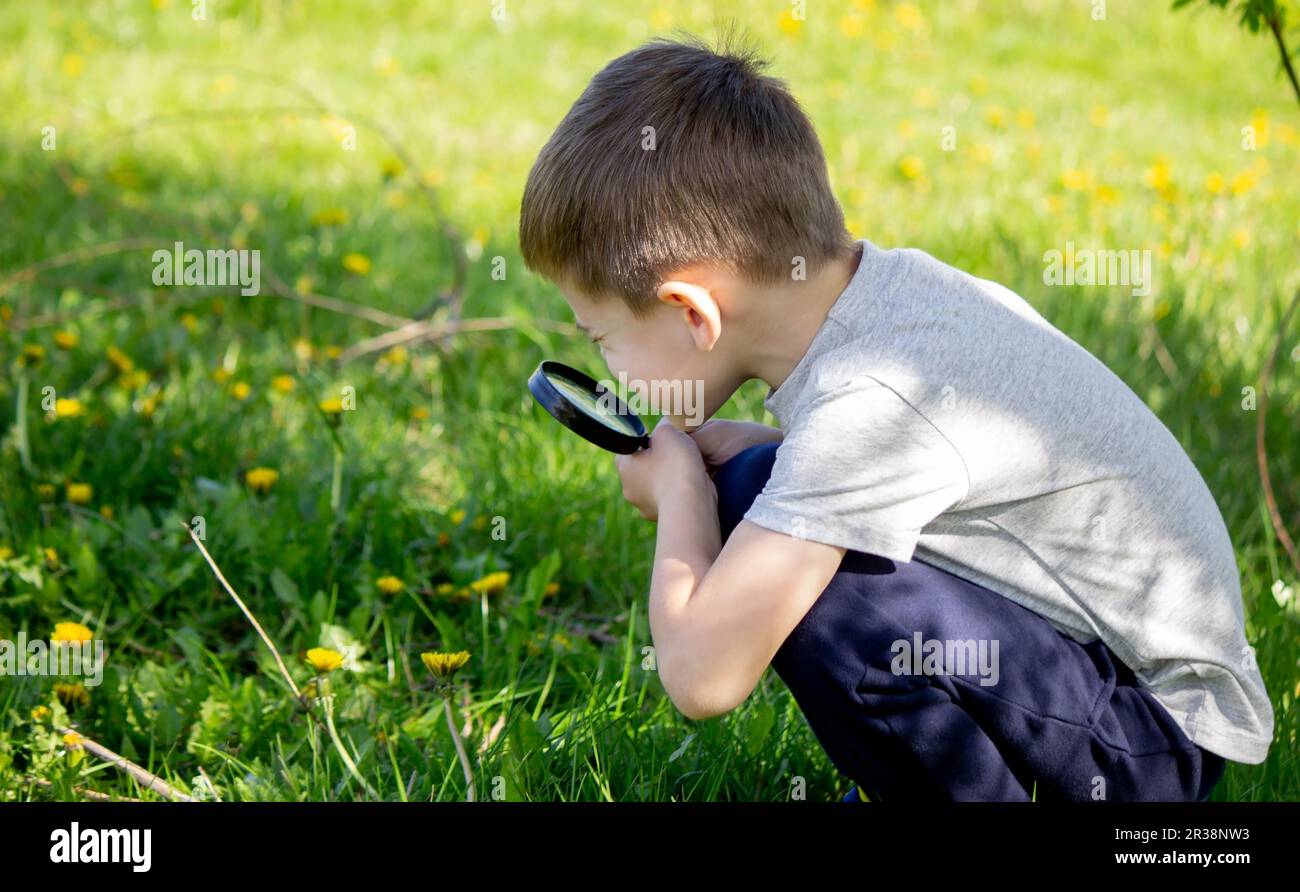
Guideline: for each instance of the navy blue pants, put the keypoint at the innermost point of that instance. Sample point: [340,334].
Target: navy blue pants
[1064,720]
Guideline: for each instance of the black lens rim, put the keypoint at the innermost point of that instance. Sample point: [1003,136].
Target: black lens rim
[578,421]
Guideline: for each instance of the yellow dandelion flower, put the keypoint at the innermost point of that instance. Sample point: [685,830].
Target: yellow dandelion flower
[385,64]
[1243,182]
[133,380]
[324,660]
[1214,182]
[333,351]
[51,557]
[222,86]
[45,491]
[71,695]
[852,26]
[419,413]
[332,407]
[40,713]
[356,263]
[261,479]
[491,583]
[1260,124]
[445,589]
[72,740]
[1076,180]
[788,23]
[70,632]
[107,512]
[65,340]
[391,168]
[907,15]
[1158,175]
[1025,118]
[389,585]
[283,383]
[149,404]
[1098,115]
[1241,238]
[396,355]
[457,516]
[73,65]
[6,552]
[68,408]
[240,390]
[924,97]
[551,589]
[906,128]
[32,355]
[1105,194]
[996,116]
[79,493]
[190,322]
[120,360]
[329,217]
[444,665]
[911,167]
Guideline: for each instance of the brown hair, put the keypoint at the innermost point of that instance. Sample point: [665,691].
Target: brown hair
[736,177]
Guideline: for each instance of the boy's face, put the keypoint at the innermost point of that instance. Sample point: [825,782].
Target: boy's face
[661,357]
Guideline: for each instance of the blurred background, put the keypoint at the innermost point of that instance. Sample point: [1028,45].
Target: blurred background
[355,444]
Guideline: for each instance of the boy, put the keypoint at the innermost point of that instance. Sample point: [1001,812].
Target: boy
[982,566]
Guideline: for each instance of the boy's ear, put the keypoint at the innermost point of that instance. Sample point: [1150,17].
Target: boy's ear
[699,309]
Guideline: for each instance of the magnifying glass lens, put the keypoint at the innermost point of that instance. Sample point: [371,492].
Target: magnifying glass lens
[587,408]
[591,404]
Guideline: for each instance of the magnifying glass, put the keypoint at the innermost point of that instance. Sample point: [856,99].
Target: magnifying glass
[587,408]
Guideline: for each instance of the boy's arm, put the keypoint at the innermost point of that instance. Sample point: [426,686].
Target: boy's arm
[719,615]
[859,468]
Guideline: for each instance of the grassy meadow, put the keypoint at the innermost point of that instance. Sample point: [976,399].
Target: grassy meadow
[384,499]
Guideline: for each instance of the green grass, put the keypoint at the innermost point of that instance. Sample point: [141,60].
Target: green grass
[1066,128]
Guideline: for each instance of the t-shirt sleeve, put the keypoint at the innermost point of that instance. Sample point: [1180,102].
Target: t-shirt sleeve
[862,469]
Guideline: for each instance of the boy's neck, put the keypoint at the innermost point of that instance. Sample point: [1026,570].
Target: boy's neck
[788,318]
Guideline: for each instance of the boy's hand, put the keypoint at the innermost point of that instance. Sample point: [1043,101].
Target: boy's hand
[720,439]
[672,462]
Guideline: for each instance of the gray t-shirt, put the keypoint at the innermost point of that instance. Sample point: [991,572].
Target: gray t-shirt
[938,413]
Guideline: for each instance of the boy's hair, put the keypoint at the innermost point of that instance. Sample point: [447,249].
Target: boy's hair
[736,177]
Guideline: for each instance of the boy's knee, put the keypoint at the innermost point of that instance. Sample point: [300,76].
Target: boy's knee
[739,480]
